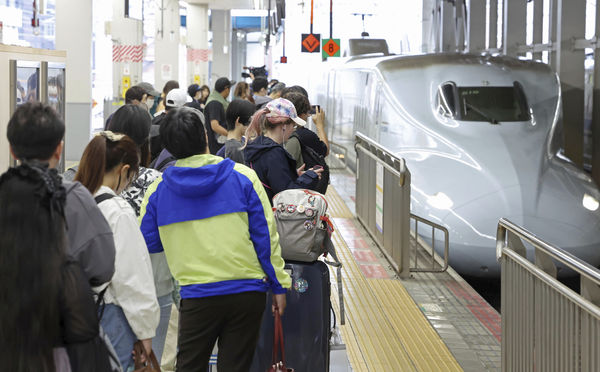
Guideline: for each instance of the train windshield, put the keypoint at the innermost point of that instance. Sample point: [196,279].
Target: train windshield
[491,104]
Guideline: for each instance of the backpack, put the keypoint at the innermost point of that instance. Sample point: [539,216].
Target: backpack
[305,230]
[312,158]
[302,223]
[89,350]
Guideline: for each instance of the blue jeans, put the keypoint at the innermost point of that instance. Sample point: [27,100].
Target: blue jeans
[119,332]
[158,342]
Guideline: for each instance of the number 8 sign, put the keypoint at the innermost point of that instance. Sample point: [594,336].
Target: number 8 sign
[331,48]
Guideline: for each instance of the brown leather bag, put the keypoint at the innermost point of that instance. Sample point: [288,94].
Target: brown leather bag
[139,353]
[278,365]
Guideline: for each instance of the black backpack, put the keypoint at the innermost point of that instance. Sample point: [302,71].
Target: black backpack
[312,158]
[87,347]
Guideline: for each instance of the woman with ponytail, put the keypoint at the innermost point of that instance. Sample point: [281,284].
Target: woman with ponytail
[269,129]
[109,164]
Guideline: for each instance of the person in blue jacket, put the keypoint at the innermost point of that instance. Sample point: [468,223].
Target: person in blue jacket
[275,167]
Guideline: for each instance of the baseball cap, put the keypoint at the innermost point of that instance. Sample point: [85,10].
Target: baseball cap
[177,98]
[281,107]
[193,89]
[222,83]
[149,89]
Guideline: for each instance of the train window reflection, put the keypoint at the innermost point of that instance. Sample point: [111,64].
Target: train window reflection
[493,104]
[447,99]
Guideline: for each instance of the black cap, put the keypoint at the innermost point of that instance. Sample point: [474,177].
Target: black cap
[223,83]
[193,89]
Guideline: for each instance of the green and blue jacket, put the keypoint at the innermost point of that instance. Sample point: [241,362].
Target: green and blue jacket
[213,220]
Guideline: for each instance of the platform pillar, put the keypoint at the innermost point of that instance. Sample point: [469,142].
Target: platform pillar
[570,26]
[514,26]
[70,16]
[221,31]
[476,26]
[166,44]
[197,44]
[126,33]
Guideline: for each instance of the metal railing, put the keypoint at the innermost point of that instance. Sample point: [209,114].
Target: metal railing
[383,200]
[337,156]
[443,265]
[545,325]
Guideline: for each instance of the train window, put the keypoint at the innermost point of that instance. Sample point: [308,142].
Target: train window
[447,99]
[493,104]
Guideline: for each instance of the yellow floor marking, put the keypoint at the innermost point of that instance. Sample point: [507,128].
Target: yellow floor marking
[385,330]
[337,207]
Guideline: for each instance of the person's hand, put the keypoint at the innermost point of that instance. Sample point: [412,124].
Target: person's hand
[279,303]
[301,170]
[318,170]
[319,116]
[147,344]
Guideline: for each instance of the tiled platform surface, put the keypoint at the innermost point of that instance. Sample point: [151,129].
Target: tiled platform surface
[467,325]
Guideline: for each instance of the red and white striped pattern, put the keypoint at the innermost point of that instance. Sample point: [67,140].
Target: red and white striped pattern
[128,53]
[199,55]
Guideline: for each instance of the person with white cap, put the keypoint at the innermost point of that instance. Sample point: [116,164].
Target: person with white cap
[175,98]
[276,168]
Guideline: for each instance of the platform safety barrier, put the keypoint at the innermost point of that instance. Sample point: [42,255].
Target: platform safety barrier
[545,325]
[443,262]
[383,200]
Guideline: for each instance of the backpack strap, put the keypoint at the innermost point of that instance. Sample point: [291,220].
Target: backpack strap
[102,197]
[165,161]
[330,250]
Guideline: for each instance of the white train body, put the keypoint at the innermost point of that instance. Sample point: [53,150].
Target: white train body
[436,111]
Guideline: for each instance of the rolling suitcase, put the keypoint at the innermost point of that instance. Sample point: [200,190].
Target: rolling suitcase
[306,321]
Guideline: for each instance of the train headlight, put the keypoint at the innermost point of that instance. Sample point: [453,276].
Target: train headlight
[589,202]
[440,200]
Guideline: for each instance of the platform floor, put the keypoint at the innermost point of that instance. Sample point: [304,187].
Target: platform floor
[428,322]
[461,319]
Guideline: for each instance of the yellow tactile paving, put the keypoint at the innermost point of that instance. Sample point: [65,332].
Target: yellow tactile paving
[428,352]
[385,330]
[337,207]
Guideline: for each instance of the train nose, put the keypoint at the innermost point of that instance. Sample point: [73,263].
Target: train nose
[555,218]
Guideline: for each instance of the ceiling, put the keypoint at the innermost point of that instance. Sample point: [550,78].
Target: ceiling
[232,4]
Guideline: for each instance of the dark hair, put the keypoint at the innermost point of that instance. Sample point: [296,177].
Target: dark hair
[239,108]
[35,131]
[295,89]
[134,93]
[259,83]
[104,152]
[135,122]
[193,89]
[169,86]
[32,246]
[182,132]
[240,89]
[202,88]
[300,102]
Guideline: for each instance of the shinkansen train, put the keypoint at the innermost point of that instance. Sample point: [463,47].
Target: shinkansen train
[481,136]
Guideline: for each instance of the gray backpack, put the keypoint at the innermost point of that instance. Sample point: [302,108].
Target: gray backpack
[305,230]
[302,223]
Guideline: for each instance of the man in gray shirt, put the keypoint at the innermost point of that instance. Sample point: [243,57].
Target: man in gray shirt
[35,133]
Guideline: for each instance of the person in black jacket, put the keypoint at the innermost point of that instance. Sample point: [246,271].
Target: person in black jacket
[275,167]
[47,304]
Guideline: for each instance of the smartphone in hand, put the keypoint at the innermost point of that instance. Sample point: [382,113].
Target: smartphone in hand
[313,109]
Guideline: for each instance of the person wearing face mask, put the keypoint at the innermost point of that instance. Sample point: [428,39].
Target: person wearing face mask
[276,168]
[131,312]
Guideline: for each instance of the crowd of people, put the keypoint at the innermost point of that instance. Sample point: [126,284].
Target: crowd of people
[170,204]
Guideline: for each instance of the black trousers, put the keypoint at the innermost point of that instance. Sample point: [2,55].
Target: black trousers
[234,320]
